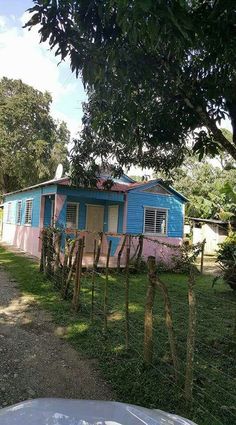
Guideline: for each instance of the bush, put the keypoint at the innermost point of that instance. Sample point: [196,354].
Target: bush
[227,260]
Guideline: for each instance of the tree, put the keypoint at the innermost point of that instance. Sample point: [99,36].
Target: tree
[31,143]
[159,74]
[209,188]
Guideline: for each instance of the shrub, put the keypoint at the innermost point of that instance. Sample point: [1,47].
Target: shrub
[227,260]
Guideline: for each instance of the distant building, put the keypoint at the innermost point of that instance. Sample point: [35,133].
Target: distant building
[214,231]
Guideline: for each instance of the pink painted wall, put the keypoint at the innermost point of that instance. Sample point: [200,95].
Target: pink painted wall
[23,237]
[162,253]
[59,202]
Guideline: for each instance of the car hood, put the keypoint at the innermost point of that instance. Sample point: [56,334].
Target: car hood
[84,412]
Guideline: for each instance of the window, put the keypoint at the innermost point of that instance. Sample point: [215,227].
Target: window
[28,211]
[18,212]
[113,218]
[9,212]
[155,221]
[72,215]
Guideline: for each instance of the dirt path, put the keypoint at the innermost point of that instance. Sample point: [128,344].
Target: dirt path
[34,361]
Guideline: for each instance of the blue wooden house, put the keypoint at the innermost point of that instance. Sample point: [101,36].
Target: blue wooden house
[150,208]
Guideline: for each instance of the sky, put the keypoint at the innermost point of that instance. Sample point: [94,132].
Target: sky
[22,56]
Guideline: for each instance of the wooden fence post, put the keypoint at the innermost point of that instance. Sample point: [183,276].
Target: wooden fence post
[188,388]
[57,245]
[50,252]
[71,251]
[202,255]
[140,252]
[148,320]
[42,265]
[127,293]
[169,326]
[69,276]
[65,265]
[77,283]
[106,287]
[93,280]
[120,253]
[99,247]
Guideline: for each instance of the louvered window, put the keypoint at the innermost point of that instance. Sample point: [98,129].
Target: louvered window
[28,211]
[9,212]
[155,221]
[72,215]
[18,212]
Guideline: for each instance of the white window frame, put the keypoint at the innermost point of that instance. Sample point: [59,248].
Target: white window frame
[110,207]
[28,223]
[155,209]
[18,212]
[9,212]
[77,215]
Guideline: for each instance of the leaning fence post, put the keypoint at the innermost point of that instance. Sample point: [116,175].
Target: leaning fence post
[148,320]
[106,287]
[188,388]
[140,252]
[99,247]
[202,255]
[42,257]
[93,279]
[120,252]
[127,294]
[77,284]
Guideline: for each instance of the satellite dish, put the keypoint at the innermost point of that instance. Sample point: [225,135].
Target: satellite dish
[59,172]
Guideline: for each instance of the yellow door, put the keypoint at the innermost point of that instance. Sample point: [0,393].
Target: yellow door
[94,223]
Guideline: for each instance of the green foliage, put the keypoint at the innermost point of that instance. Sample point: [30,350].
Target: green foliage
[208,187]
[31,142]
[227,260]
[157,74]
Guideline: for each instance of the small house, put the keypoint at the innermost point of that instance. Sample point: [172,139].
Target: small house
[151,208]
[213,231]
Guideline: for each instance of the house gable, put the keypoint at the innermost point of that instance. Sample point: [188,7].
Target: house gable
[158,190]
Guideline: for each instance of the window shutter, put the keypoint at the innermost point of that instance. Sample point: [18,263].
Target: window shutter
[71,215]
[19,212]
[9,212]
[28,211]
[113,218]
[155,221]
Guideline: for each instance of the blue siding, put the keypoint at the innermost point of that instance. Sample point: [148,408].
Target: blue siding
[99,195]
[137,200]
[35,195]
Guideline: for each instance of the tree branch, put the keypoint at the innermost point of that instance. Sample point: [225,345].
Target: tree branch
[211,125]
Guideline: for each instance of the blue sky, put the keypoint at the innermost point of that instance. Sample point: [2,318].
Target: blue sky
[21,56]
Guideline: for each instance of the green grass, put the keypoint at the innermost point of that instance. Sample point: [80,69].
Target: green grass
[215,366]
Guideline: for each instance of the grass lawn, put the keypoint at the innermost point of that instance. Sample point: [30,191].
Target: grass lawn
[215,366]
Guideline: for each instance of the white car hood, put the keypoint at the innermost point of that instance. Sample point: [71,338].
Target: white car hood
[84,412]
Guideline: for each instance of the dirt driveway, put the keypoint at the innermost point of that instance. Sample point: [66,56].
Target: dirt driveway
[34,361]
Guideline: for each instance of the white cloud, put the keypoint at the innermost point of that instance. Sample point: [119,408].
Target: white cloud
[22,57]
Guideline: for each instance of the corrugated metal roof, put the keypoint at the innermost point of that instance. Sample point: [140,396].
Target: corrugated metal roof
[116,187]
[207,220]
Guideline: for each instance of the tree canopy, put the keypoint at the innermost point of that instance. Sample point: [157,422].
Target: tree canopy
[31,142]
[160,75]
[210,189]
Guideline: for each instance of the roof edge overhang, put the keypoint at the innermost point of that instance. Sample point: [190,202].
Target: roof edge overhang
[152,183]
